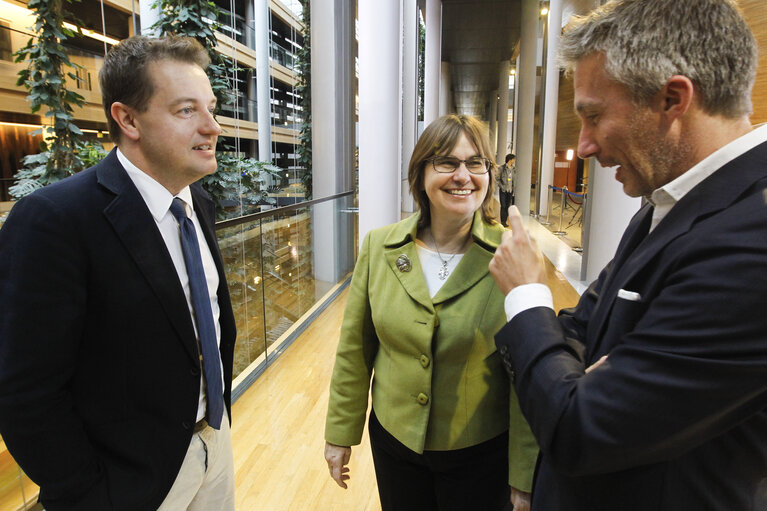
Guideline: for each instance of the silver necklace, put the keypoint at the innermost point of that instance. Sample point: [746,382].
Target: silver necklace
[443,271]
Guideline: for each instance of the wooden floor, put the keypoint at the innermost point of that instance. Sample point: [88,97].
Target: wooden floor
[279,423]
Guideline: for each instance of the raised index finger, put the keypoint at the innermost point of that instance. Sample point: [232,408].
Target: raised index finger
[515,222]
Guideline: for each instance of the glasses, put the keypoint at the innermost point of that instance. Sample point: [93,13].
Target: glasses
[448,164]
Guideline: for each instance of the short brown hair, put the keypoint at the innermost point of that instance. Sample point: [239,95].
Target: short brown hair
[439,138]
[124,77]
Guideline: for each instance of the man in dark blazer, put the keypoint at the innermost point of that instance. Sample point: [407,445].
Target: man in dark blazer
[103,402]
[652,392]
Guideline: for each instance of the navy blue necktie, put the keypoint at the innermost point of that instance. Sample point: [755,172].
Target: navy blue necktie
[206,327]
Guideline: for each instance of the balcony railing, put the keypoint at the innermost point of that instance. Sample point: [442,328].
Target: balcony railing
[271,261]
[284,117]
[283,56]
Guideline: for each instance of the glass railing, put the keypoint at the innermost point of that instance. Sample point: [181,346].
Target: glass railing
[284,117]
[280,264]
[242,108]
[235,27]
[283,56]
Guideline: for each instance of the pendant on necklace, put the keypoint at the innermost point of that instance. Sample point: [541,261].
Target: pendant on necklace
[443,272]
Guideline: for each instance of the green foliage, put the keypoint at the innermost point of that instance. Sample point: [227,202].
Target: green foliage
[34,174]
[198,19]
[304,91]
[239,184]
[44,77]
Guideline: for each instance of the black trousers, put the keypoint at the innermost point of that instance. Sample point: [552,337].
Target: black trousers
[506,199]
[474,478]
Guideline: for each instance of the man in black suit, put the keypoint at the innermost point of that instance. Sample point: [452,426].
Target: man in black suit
[652,392]
[106,399]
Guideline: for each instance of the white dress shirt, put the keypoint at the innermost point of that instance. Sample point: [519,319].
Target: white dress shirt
[663,199]
[158,200]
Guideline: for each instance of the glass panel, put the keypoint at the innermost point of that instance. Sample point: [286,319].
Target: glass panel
[283,56]
[241,251]
[281,265]
[234,26]
[271,273]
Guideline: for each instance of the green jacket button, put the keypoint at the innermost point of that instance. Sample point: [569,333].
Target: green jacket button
[425,361]
[423,398]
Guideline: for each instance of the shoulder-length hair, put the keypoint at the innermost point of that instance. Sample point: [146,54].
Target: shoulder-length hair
[439,138]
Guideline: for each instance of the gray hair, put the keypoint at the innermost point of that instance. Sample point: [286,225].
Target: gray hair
[646,42]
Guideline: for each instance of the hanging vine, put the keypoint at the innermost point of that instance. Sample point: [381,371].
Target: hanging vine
[304,91]
[45,79]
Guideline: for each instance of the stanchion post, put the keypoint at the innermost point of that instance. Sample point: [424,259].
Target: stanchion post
[560,232]
[548,206]
[579,248]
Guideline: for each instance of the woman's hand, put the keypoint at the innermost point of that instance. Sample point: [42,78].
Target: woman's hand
[337,458]
[520,500]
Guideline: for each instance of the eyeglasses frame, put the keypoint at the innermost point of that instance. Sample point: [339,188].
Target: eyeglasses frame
[488,164]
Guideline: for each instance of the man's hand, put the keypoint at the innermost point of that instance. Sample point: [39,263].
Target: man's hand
[520,500]
[518,260]
[337,458]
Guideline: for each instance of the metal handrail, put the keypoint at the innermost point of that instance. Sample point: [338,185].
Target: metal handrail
[270,212]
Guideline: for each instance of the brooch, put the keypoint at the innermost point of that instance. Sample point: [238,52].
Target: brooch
[403,263]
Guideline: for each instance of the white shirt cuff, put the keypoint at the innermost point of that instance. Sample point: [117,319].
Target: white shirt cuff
[526,297]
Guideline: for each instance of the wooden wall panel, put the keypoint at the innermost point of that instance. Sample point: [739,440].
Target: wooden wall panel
[568,124]
[755,12]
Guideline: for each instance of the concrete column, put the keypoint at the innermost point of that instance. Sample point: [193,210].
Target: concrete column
[333,136]
[379,114]
[409,94]
[606,215]
[503,111]
[252,96]
[515,133]
[433,60]
[551,106]
[149,16]
[526,104]
[492,115]
[445,100]
[261,13]
[250,23]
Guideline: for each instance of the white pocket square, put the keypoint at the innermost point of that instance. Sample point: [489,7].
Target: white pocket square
[629,295]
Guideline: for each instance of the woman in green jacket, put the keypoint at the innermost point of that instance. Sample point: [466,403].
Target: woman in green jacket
[445,428]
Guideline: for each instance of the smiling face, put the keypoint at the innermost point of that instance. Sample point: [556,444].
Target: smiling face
[618,132]
[456,196]
[177,132]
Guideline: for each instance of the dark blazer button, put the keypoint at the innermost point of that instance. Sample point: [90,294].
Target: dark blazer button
[186,425]
[194,371]
[503,349]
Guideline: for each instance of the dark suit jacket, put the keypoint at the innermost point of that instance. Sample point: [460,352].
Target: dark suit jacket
[676,419]
[99,365]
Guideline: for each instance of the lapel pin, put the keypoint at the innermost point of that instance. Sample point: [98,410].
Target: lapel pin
[403,263]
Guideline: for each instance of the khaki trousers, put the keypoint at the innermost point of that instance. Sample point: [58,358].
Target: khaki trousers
[206,479]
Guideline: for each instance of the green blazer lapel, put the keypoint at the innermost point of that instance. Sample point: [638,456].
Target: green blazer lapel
[474,265]
[400,242]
